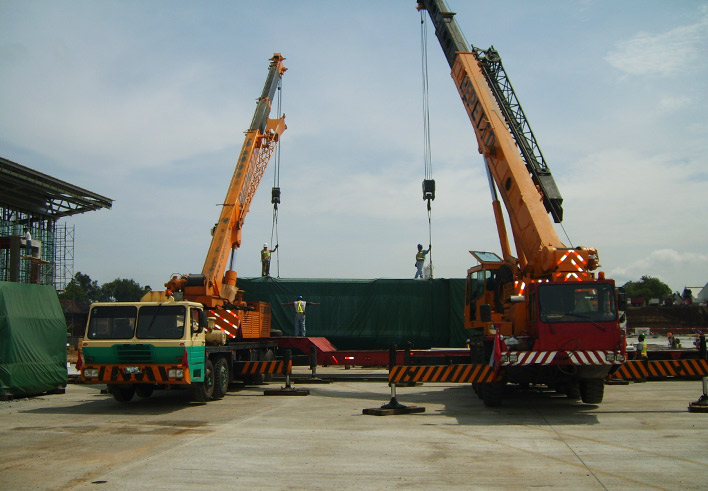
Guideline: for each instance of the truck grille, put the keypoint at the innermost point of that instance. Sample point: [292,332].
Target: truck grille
[133,353]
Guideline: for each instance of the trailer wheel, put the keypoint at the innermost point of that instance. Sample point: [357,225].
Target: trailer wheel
[122,393]
[592,390]
[492,393]
[222,377]
[203,391]
[144,390]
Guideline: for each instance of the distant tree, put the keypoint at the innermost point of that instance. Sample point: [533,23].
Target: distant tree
[122,290]
[81,289]
[647,287]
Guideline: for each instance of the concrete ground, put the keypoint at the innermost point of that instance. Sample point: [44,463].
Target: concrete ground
[641,436]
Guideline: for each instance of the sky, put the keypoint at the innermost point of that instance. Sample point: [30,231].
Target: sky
[146,102]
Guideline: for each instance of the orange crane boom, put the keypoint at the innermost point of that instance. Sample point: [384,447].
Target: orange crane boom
[217,285]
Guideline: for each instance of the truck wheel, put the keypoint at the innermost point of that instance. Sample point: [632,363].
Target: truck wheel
[492,393]
[222,377]
[203,391]
[592,390]
[258,378]
[144,390]
[573,391]
[269,356]
[122,393]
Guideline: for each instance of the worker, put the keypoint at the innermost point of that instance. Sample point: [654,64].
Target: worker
[641,348]
[265,259]
[700,341]
[300,307]
[419,260]
[28,241]
[674,342]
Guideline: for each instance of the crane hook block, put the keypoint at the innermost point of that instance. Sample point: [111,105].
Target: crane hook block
[275,196]
[429,189]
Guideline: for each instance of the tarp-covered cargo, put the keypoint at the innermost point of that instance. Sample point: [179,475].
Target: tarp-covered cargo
[32,339]
[368,314]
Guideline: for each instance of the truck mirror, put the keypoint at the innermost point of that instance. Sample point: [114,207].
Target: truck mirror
[203,320]
[485,312]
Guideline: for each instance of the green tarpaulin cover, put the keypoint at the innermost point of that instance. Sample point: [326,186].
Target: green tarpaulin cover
[368,314]
[32,339]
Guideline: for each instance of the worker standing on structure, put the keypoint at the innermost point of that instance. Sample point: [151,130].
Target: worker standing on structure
[420,260]
[265,259]
[28,241]
[300,306]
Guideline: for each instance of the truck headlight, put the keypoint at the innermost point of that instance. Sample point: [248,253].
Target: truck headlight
[175,373]
[91,372]
[513,358]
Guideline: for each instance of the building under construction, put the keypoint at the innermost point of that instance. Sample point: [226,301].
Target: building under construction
[35,201]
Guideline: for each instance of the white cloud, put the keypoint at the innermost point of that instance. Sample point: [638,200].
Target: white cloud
[662,54]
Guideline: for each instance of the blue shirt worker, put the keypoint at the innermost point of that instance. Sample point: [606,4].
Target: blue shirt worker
[300,307]
[420,260]
[265,259]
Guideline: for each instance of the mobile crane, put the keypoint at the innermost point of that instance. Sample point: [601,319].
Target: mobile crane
[196,341]
[543,316]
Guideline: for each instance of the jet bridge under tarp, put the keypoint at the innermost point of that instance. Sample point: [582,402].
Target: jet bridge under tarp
[32,340]
[368,314]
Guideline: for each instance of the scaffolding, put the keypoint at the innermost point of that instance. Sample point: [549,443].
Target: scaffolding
[36,201]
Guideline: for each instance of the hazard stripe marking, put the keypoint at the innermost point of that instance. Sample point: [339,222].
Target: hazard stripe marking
[146,374]
[639,369]
[442,373]
[259,367]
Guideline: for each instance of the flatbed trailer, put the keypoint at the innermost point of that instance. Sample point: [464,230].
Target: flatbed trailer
[324,353]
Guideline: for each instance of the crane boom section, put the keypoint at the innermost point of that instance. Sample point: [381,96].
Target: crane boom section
[259,144]
[217,285]
[529,220]
[510,151]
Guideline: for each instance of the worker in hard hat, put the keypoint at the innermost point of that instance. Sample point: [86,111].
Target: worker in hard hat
[265,259]
[420,260]
[300,305]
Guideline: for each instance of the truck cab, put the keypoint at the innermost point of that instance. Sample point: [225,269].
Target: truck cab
[135,347]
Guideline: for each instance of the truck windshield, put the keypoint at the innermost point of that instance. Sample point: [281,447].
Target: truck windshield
[161,322]
[112,322]
[577,302]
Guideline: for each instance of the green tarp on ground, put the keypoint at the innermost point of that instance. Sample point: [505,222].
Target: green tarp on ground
[32,339]
[368,314]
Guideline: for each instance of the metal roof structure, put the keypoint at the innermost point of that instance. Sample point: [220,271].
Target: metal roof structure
[37,194]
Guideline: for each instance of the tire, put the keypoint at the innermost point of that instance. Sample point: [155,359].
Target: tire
[592,390]
[492,393]
[269,356]
[203,391]
[573,391]
[258,378]
[122,393]
[276,333]
[144,390]
[222,378]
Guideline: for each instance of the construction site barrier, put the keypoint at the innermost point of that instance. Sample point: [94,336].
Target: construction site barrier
[660,369]
[263,367]
[465,374]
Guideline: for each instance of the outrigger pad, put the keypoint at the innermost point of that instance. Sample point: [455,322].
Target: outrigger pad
[286,391]
[700,406]
[384,411]
[393,407]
